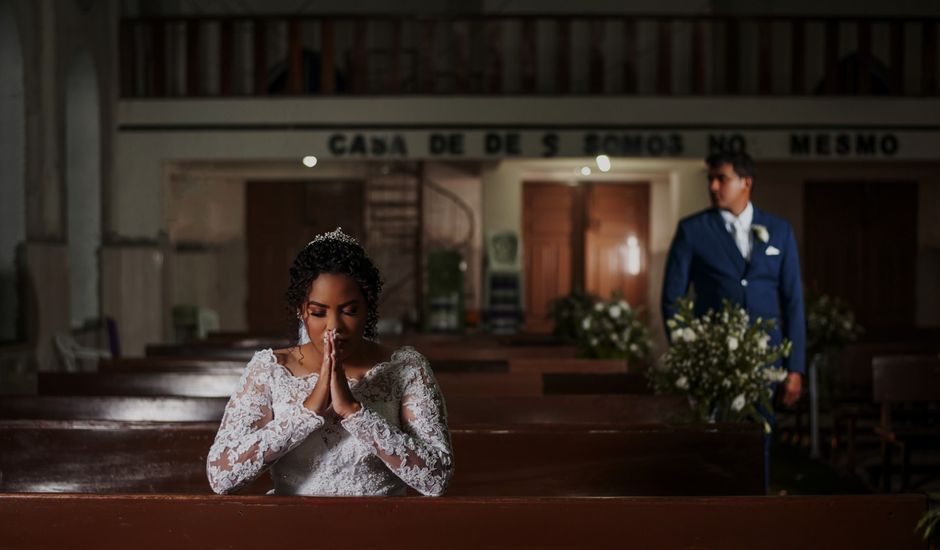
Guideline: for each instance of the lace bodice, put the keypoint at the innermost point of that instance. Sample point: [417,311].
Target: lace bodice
[398,438]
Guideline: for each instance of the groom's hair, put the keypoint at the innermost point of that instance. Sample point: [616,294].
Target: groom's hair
[337,257]
[741,162]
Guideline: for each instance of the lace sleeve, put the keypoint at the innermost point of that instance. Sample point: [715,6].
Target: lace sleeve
[420,452]
[254,431]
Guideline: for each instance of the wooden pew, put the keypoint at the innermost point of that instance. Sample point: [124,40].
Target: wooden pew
[412,338]
[204,351]
[462,411]
[595,383]
[489,385]
[479,346]
[120,408]
[571,410]
[609,461]
[201,384]
[146,522]
[908,391]
[517,365]
[237,337]
[113,457]
[555,364]
[170,364]
[463,349]
[182,364]
[182,384]
[468,352]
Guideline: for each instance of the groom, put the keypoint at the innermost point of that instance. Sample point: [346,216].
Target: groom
[737,252]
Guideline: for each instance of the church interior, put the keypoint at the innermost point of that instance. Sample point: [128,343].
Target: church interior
[517,172]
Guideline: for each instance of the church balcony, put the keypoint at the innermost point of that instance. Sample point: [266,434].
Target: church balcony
[524,54]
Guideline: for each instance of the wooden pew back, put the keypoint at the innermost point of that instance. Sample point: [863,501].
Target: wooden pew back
[459,349]
[114,457]
[594,410]
[198,522]
[462,410]
[515,365]
[170,364]
[223,384]
[595,383]
[562,364]
[116,407]
[182,384]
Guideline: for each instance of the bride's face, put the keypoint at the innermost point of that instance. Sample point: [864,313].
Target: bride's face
[335,302]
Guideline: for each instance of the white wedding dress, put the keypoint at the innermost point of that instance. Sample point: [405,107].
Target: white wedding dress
[398,438]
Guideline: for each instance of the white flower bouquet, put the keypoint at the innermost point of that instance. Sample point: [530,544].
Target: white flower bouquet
[722,362]
[613,330]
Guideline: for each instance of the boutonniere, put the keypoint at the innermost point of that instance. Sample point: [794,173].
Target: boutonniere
[760,232]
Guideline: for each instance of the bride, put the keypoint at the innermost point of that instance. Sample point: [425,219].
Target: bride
[337,414]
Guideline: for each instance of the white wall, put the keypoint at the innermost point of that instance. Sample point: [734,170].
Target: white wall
[83,185]
[134,294]
[153,132]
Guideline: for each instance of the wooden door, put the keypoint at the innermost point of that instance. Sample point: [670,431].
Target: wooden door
[861,246]
[548,229]
[616,241]
[281,218]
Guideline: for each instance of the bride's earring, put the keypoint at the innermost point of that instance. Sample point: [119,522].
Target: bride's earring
[302,336]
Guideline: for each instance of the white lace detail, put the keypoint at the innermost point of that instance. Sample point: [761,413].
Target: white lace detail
[261,423]
[399,437]
[419,451]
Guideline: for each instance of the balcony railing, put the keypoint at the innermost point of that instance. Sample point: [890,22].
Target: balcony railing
[525,54]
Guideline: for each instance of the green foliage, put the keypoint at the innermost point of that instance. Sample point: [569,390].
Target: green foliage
[567,312]
[830,324]
[930,519]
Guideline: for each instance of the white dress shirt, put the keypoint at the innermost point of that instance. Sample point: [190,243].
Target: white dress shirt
[740,228]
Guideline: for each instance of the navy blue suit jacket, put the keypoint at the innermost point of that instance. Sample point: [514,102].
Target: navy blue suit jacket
[703,254]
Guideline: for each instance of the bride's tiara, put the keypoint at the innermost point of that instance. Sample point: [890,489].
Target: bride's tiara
[335,235]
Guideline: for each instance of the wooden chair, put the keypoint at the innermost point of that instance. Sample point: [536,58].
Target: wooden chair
[908,390]
[851,400]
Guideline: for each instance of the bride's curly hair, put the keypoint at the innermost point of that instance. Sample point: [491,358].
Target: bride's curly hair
[338,257]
